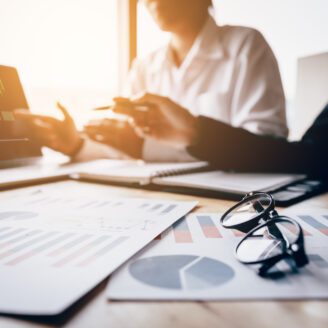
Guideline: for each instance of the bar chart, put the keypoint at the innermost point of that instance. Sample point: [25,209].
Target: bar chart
[63,244]
[194,260]
[209,225]
[127,215]
[57,248]
[314,223]
[212,229]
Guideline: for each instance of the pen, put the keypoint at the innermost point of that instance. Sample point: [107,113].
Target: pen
[131,105]
[104,107]
[118,100]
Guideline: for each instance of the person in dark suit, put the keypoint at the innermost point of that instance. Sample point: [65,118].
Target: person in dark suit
[231,148]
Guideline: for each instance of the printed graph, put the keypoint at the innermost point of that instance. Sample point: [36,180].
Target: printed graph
[314,223]
[108,215]
[209,226]
[58,249]
[181,232]
[195,260]
[181,272]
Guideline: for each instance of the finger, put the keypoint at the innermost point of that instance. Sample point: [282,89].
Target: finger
[124,109]
[21,111]
[34,118]
[102,138]
[121,100]
[106,124]
[147,98]
[45,136]
[103,131]
[67,116]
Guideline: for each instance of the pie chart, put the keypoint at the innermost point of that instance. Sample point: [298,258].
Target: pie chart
[17,215]
[187,272]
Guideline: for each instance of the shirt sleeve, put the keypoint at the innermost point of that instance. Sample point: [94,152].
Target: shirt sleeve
[258,101]
[236,149]
[153,150]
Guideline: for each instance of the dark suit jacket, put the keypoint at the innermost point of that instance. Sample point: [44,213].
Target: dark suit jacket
[230,148]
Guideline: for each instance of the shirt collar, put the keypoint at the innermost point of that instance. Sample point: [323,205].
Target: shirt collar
[208,42]
[207,45]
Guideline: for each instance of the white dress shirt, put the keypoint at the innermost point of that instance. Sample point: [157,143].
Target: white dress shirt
[230,74]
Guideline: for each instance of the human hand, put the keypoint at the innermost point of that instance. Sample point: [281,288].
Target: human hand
[59,135]
[160,118]
[116,133]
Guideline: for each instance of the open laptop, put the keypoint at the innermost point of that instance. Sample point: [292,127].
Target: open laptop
[21,158]
[17,146]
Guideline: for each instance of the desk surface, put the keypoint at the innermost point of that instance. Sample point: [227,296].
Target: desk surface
[95,311]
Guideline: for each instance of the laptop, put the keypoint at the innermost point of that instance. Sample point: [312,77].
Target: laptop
[17,146]
[21,160]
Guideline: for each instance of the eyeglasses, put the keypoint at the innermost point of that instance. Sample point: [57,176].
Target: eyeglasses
[269,238]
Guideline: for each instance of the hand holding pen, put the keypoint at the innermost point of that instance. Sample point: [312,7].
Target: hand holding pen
[122,102]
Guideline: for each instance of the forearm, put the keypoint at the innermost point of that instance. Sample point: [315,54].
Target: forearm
[230,148]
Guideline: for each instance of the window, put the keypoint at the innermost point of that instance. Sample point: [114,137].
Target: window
[293,28]
[64,50]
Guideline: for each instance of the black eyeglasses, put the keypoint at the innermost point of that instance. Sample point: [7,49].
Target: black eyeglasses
[269,238]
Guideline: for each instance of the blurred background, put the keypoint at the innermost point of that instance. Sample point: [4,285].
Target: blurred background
[69,50]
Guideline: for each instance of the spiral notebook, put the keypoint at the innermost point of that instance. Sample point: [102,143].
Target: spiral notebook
[138,172]
[192,175]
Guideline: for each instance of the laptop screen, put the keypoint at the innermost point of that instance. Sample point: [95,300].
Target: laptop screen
[16,141]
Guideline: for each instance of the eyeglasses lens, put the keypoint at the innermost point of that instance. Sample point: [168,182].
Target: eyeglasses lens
[247,210]
[267,242]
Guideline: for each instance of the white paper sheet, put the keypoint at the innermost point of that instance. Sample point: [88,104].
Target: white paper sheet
[56,244]
[239,183]
[195,260]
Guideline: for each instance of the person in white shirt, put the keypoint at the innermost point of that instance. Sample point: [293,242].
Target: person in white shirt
[228,73]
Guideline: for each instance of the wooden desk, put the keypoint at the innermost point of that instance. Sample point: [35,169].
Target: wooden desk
[95,311]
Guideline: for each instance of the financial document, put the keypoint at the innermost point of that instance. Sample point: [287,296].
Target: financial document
[57,244]
[194,260]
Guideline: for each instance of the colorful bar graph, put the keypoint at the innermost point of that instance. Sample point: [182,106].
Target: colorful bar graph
[81,251]
[314,223]
[31,242]
[38,249]
[19,238]
[69,245]
[103,251]
[181,232]
[11,233]
[294,230]
[208,227]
